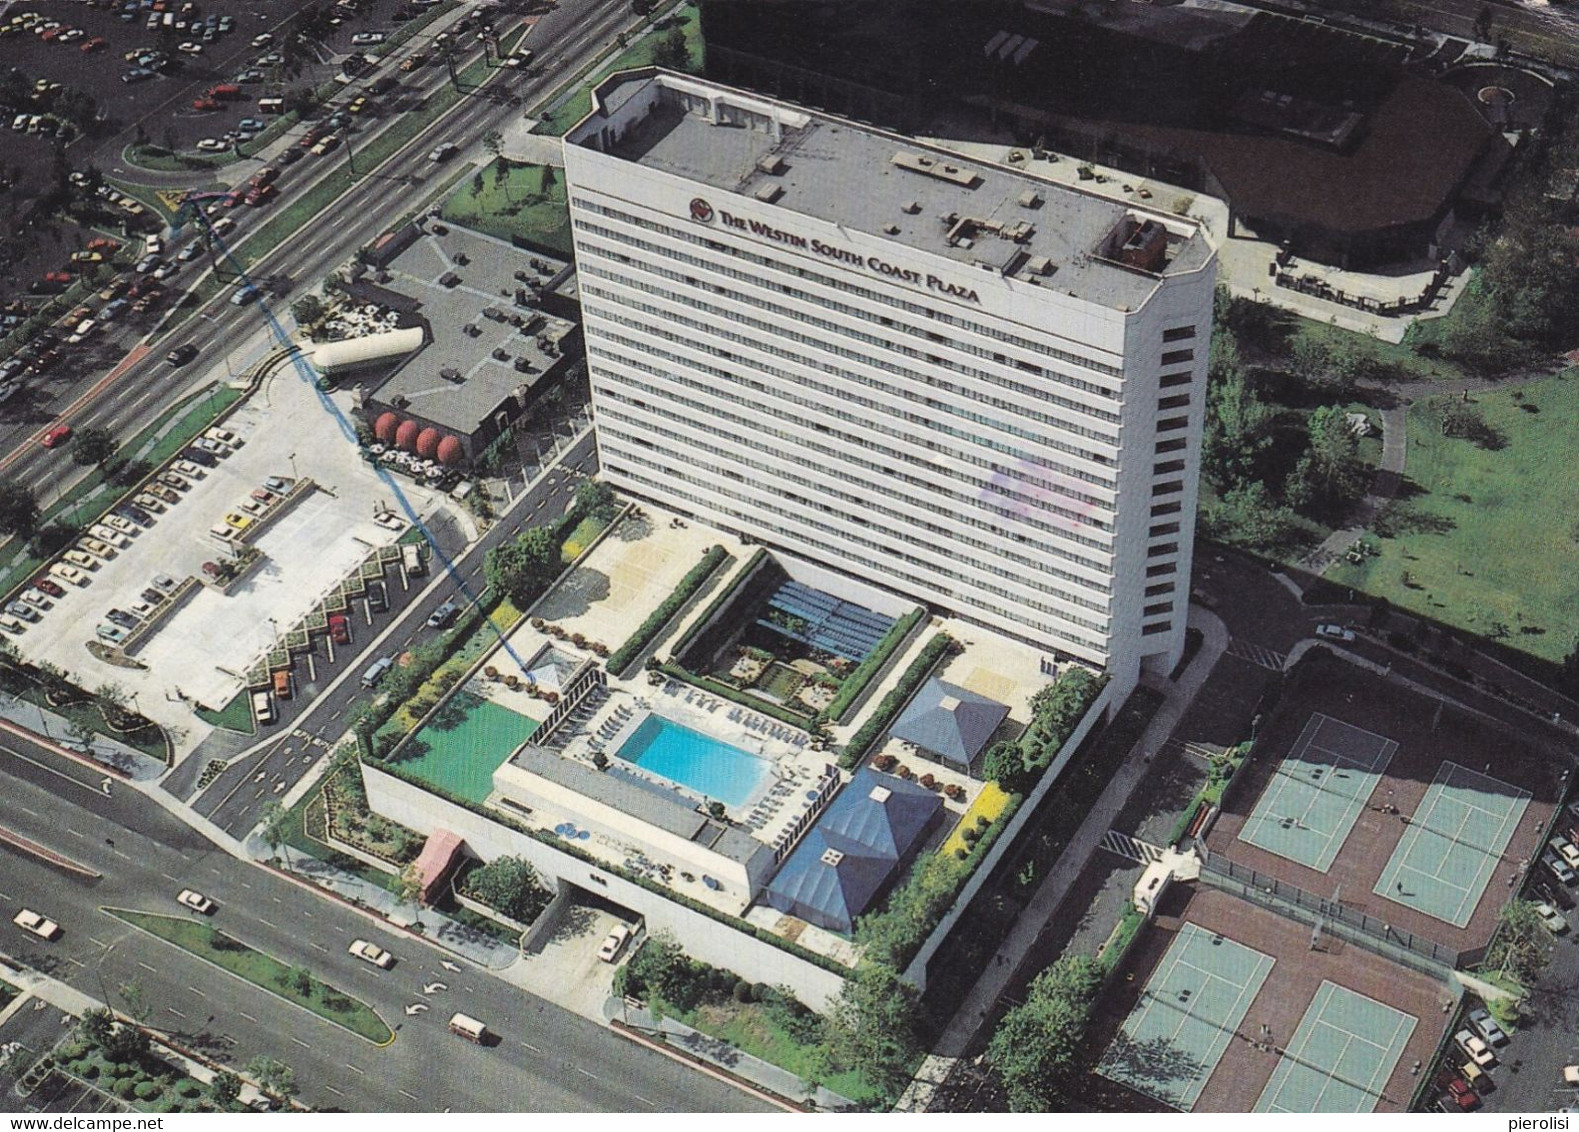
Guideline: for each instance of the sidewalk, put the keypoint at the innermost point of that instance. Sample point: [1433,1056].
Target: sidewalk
[719,1053]
[57,729]
[961,1034]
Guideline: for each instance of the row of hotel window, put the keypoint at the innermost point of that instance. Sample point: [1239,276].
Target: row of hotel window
[999,333]
[698,264]
[1032,499]
[644,454]
[775,333]
[859,507]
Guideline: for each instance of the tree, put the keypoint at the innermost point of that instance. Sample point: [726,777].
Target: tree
[523,568]
[127,1043]
[873,1027]
[19,513]
[275,817]
[509,885]
[226,1088]
[597,499]
[1036,1046]
[1521,946]
[1238,428]
[408,888]
[493,142]
[97,1025]
[1247,515]
[307,310]
[134,1000]
[273,1076]
[1330,474]
[671,51]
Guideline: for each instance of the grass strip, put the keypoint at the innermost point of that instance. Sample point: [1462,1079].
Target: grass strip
[263,971]
[234,716]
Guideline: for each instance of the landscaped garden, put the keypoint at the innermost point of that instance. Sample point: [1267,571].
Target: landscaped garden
[509,199]
[120,1060]
[785,648]
[294,984]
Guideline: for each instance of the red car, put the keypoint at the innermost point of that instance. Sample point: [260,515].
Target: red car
[1460,1092]
[49,586]
[339,629]
[93,44]
[57,436]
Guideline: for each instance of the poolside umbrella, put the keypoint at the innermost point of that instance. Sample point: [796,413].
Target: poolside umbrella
[711,883]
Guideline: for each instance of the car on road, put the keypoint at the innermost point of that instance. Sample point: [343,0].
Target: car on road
[1480,1018]
[41,926]
[244,296]
[339,629]
[56,436]
[367,39]
[289,156]
[443,152]
[1554,921]
[326,144]
[1476,1048]
[1334,632]
[371,953]
[614,943]
[444,616]
[49,587]
[196,901]
[189,252]
[69,574]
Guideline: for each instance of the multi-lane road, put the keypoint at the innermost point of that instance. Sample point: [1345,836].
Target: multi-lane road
[546,1059]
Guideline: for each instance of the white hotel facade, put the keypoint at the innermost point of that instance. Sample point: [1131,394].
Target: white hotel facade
[976,387]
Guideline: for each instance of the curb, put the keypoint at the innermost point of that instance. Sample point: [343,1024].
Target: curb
[701,1066]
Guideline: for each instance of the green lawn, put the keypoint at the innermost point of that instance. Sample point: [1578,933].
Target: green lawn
[580,538]
[262,970]
[1485,543]
[1390,356]
[520,205]
[236,715]
[639,54]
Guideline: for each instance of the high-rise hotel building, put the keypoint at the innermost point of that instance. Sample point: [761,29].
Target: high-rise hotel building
[950,377]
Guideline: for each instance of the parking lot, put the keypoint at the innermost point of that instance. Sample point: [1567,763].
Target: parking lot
[205,647]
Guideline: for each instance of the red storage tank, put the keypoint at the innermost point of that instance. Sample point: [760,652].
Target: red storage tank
[427,442]
[406,435]
[384,428]
[450,451]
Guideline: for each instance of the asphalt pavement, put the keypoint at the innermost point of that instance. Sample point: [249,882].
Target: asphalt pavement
[546,1059]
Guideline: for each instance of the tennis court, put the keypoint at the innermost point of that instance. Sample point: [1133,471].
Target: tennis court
[1339,1060]
[1188,1013]
[1318,792]
[1455,839]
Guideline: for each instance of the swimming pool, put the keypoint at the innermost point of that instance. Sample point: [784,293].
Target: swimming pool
[701,763]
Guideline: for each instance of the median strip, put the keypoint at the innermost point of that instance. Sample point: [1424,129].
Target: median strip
[293,984]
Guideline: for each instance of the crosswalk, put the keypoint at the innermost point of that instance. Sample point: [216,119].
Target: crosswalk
[1131,848]
[1257,654]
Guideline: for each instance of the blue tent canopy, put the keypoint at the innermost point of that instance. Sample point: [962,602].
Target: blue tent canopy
[949,722]
[866,835]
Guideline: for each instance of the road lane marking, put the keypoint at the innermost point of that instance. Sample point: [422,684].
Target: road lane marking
[584,1073]
[176,1012]
[168,877]
[531,1047]
[301,1043]
[244,884]
[74,833]
[97,942]
[121,855]
[306,913]
[261,920]
[197,992]
[334,1090]
[28,810]
[44,767]
[354,1069]
[145,967]
[319,946]
[247,1016]
[215,871]
[410,1096]
[644,1100]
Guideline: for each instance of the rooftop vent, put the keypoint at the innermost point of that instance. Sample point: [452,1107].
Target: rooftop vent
[921,163]
[832,857]
[451,374]
[880,794]
[768,193]
[771,164]
[948,703]
[1039,265]
[910,207]
[1030,198]
[891,229]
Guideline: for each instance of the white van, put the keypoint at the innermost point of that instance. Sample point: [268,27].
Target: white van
[411,555]
[468,1027]
[376,670]
[263,707]
[271,106]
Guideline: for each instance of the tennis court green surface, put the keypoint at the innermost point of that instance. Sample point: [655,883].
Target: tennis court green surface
[1317,792]
[1188,1012]
[1340,1057]
[1455,839]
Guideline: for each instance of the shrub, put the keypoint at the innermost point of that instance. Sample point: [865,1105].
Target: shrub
[188,1088]
[856,682]
[89,1070]
[146,1090]
[126,1087]
[742,991]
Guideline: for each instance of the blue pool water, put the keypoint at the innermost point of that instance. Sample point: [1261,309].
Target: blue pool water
[696,761]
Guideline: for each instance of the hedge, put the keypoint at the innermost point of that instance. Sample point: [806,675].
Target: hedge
[718,603]
[893,703]
[1186,819]
[745,699]
[684,592]
[864,673]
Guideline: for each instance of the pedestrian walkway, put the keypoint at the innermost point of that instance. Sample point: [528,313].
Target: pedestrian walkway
[719,1053]
[1257,654]
[59,731]
[960,1036]
[1131,848]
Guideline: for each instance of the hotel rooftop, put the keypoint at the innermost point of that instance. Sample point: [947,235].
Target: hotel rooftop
[989,217]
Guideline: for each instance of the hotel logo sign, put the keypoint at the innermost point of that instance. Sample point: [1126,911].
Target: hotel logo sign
[702,212]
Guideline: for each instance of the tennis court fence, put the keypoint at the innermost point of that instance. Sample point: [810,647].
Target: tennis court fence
[1405,947]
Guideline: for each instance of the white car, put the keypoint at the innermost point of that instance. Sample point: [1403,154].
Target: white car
[1482,1020]
[367,38]
[69,574]
[1477,1050]
[190,470]
[40,926]
[223,436]
[1334,632]
[109,536]
[190,48]
[1566,850]
[124,526]
[37,598]
[210,145]
[372,953]
[1555,921]
[614,943]
[196,901]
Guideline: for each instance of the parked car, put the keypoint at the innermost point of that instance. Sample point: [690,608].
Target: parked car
[170,479]
[80,559]
[188,469]
[69,574]
[112,633]
[25,612]
[1566,850]
[199,456]
[1555,921]
[122,618]
[278,483]
[164,582]
[1557,867]
[370,952]
[49,587]
[1479,1052]
[135,513]
[97,547]
[339,629]
[614,943]
[116,523]
[221,436]
[367,39]
[1481,1019]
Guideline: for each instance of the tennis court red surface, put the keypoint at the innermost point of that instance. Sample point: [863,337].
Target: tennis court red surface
[1248,1061]
[1426,739]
